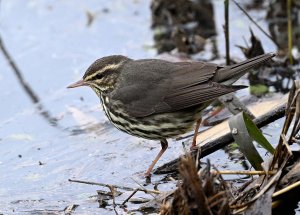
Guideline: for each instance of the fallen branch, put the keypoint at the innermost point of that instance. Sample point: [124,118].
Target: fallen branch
[224,140]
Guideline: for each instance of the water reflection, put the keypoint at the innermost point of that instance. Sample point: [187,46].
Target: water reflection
[27,88]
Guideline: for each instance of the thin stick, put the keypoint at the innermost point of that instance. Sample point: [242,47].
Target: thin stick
[255,23]
[284,190]
[290,36]
[112,190]
[115,186]
[226,31]
[145,190]
[135,191]
[102,184]
[129,197]
[271,182]
[243,172]
[287,146]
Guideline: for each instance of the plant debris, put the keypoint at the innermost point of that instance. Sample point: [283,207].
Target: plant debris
[201,192]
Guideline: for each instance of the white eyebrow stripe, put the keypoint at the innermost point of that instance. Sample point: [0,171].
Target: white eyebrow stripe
[107,67]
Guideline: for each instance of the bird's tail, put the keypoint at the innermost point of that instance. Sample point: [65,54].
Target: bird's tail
[229,74]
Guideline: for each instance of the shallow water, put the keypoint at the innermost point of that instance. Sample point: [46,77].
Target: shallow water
[52,44]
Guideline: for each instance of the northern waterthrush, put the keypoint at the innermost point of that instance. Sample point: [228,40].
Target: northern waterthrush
[157,99]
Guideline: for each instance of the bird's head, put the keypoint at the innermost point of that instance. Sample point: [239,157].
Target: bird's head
[102,75]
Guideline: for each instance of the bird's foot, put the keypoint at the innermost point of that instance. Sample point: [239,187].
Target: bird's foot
[148,177]
[194,148]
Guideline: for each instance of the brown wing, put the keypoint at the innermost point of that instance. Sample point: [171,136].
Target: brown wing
[149,87]
[194,95]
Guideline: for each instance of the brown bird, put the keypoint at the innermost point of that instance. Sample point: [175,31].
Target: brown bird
[157,99]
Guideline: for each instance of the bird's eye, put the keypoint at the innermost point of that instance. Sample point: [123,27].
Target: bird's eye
[99,76]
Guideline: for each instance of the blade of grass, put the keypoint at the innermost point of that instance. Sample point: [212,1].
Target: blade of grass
[290,31]
[256,134]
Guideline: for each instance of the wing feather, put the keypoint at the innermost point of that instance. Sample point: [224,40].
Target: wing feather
[195,95]
[149,87]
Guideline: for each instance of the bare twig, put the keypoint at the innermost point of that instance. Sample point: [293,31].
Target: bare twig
[115,186]
[243,172]
[102,184]
[130,196]
[254,22]
[134,192]
[226,31]
[287,146]
[151,192]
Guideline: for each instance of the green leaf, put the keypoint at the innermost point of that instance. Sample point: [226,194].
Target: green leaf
[256,134]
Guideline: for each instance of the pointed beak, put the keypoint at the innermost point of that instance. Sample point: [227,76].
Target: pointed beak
[77,84]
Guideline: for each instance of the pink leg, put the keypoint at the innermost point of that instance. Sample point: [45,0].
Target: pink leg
[164,146]
[194,143]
